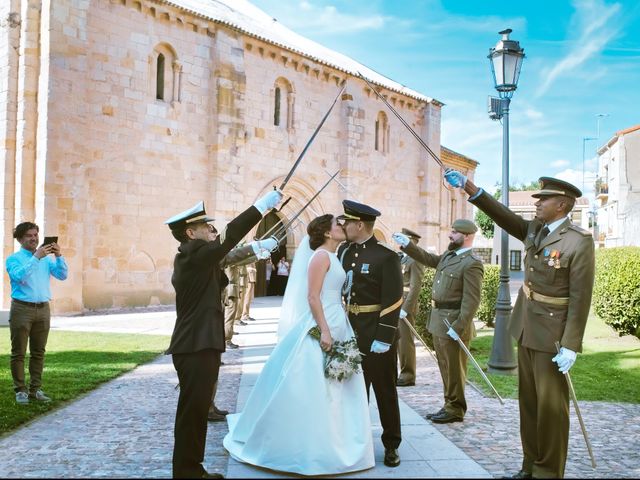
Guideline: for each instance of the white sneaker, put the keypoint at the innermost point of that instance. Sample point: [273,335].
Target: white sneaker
[22,398]
[39,396]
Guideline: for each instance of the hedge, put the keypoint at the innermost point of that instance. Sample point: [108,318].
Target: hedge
[490,285]
[616,291]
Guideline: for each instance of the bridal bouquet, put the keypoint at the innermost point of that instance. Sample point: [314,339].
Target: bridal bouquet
[343,360]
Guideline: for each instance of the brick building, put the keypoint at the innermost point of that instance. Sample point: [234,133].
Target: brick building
[116,114]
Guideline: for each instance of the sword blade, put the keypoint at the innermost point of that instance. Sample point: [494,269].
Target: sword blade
[306,147]
[284,228]
[475,364]
[574,399]
[403,121]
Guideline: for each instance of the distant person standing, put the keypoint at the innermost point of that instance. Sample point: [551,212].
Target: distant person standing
[282,272]
[252,273]
[412,274]
[268,267]
[30,270]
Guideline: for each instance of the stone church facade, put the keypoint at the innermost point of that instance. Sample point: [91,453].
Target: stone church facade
[117,114]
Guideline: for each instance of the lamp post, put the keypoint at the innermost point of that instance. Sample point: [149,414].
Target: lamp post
[506,60]
[584,141]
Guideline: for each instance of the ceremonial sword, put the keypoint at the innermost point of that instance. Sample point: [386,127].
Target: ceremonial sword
[475,364]
[283,228]
[578,414]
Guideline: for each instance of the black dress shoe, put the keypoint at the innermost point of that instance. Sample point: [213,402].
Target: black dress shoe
[391,457]
[404,383]
[213,416]
[212,475]
[231,345]
[219,411]
[242,322]
[429,416]
[445,417]
[521,474]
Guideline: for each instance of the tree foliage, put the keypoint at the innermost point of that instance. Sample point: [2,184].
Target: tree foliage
[484,222]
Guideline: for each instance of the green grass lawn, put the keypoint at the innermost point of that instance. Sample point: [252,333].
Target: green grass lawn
[608,369]
[75,362]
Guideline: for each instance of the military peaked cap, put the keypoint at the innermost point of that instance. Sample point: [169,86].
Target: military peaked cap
[195,214]
[358,211]
[553,186]
[411,233]
[463,225]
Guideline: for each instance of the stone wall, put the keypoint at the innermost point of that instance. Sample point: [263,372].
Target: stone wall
[109,161]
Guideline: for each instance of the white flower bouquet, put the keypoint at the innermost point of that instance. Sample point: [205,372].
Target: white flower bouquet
[343,360]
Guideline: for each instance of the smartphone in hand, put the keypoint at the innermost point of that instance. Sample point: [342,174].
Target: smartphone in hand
[49,240]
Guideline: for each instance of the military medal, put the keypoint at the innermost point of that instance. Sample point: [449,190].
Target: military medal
[365,268]
[554,261]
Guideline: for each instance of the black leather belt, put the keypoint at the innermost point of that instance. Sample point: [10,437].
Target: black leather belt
[446,305]
[31,304]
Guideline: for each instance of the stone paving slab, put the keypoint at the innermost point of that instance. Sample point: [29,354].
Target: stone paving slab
[125,427]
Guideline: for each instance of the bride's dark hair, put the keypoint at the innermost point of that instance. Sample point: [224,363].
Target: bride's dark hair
[317,228]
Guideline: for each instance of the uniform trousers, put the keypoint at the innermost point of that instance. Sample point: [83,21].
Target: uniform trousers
[231,310]
[381,371]
[407,350]
[197,374]
[543,396]
[452,362]
[248,298]
[28,325]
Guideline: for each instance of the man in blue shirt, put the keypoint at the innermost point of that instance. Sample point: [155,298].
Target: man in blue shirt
[29,270]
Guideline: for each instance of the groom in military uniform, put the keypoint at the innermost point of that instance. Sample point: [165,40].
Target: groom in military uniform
[552,306]
[374,299]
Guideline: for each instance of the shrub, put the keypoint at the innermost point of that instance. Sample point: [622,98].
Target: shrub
[616,291]
[424,306]
[490,285]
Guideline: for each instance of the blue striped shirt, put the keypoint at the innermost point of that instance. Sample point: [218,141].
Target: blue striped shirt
[30,275]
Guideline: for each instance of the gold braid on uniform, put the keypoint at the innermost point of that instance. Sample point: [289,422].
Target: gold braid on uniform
[391,308]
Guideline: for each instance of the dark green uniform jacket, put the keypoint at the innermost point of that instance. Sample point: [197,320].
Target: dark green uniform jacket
[538,324]
[458,280]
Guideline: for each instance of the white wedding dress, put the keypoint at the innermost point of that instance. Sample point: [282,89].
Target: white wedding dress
[295,419]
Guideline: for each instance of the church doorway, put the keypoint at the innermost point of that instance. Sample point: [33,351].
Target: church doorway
[270,225]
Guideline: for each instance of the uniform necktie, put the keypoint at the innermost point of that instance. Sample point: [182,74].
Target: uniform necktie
[543,235]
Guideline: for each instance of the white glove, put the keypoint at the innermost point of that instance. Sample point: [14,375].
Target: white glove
[380,347]
[565,359]
[454,178]
[268,201]
[403,314]
[453,334]
[401,239]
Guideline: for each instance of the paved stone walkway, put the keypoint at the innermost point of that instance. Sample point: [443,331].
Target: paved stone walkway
[124,428]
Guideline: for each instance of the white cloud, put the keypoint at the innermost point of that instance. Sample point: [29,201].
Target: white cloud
[327,20]
[595,30]
[560,163]
[575,177]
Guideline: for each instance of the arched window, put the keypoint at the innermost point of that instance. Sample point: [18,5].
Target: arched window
[382,133]
[166,71]
[283,102]
[276,110]
[160,77]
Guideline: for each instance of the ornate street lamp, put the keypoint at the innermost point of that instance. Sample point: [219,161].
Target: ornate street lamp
[506,60]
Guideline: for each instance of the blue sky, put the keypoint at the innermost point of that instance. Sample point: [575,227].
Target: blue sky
[582,60]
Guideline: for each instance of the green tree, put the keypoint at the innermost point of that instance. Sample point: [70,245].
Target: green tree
[483,220]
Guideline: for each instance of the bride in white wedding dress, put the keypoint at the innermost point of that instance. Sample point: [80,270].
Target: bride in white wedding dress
[295,419]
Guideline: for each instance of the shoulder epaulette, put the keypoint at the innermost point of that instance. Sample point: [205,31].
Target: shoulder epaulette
[580,230]
[387,246]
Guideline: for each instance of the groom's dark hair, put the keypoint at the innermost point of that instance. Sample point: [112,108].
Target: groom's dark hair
[317,228]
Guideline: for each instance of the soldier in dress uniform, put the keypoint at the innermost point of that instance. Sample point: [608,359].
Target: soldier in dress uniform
[457,286]
[412,274]
[231,303]
[552,306]
[374,300]
[198,341]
